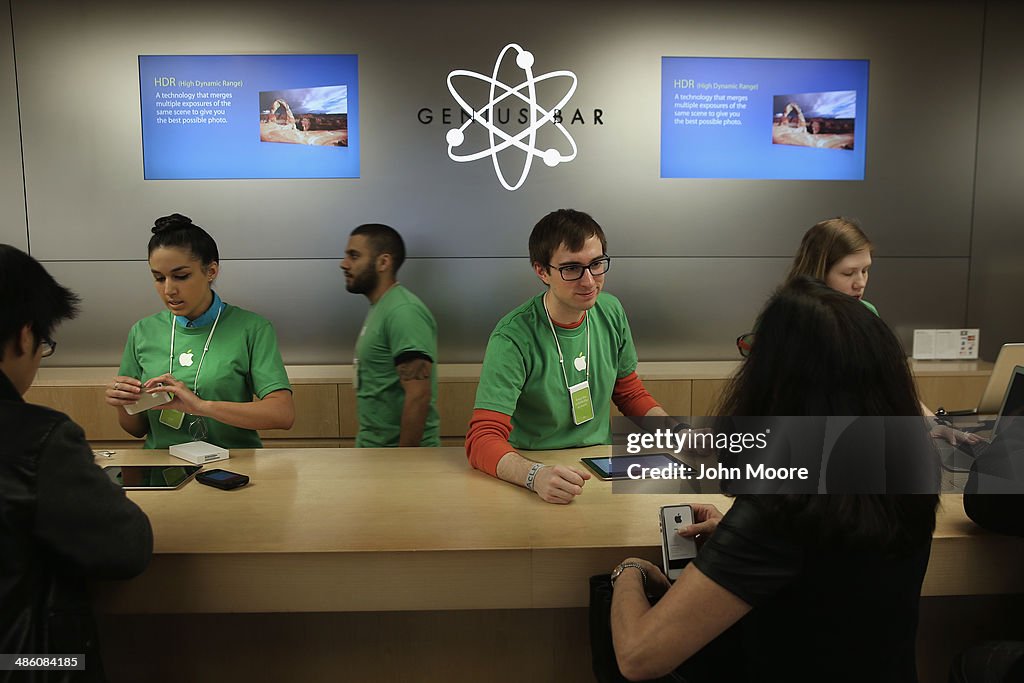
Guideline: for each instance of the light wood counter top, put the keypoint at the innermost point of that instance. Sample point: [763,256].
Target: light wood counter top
[330,530]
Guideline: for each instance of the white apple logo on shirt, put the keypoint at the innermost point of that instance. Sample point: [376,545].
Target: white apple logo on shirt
[185,359]
[580,363]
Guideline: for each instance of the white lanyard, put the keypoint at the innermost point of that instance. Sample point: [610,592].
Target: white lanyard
[206,348]
[561,360]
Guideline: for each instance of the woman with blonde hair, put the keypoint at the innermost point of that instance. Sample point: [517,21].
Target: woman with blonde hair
[837,252]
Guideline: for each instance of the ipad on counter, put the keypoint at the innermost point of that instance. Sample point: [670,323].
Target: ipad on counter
[151,477]
[617,466]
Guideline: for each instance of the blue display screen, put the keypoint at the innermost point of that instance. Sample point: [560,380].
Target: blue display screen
[249,116]
[795,119]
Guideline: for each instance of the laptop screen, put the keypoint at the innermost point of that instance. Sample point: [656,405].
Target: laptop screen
[1010,355]
[1013,401]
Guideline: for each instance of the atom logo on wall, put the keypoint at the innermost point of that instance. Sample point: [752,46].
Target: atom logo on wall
[538,117]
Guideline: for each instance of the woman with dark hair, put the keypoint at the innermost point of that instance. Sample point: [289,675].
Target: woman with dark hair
[821,587]
[211,357]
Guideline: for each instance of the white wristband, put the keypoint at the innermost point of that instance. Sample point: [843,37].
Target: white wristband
[532,475]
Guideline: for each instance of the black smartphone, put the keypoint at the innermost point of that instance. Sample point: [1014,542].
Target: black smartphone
[222,479]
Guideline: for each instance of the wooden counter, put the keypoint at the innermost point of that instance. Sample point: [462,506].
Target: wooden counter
[435,534]
[405,564]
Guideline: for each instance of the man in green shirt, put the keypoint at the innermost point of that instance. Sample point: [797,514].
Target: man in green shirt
[555,364]
[395,372]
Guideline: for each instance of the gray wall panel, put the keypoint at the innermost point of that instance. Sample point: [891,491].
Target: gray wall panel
[90,208]
[693,309]
[303,299]
[88,56]
[997,245]
[679,309]
[12,181]
[919,293]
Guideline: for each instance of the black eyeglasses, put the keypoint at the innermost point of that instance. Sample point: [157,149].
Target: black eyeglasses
[575,271]
[49,346]
[744,342]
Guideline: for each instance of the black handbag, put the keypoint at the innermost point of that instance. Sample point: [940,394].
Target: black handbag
[602,652]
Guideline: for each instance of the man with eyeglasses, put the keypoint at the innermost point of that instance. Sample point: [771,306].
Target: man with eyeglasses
[554,365]
[62,521]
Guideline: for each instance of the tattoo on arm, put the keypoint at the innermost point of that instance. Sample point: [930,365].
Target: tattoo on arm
[414,369]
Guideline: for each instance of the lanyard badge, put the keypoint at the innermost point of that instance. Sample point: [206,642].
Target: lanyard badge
[174,418]
[579,394]
[582,406]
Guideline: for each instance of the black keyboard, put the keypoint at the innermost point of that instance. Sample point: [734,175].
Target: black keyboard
[974,450]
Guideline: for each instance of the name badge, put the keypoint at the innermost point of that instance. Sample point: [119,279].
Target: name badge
[172,418]
[582,405]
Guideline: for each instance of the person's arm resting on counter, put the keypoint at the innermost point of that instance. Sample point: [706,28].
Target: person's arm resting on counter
[489,450]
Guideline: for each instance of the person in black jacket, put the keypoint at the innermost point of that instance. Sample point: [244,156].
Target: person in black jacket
[62,521]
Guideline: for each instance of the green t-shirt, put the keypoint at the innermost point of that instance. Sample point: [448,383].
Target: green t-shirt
[399,323]
[243,360]
[521,375]
[871,306]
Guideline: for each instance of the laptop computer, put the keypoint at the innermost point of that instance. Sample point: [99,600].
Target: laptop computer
[961,457]
[1010,356]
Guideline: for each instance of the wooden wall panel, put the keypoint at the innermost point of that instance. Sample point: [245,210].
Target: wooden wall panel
[86,406]
[316,414]
[455,406]
[706,393]
[951,393]
[325,412]
[316,411]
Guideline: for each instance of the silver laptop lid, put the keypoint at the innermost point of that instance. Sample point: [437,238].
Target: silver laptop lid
[1010,356]
[1013,401]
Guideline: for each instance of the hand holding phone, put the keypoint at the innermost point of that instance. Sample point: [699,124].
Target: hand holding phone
[676,550]
[147,401]
[222,479]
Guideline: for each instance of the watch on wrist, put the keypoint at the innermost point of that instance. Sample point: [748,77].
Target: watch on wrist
[626,565]
[681,427]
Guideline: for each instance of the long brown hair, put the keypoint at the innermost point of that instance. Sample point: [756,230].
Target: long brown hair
[826,243]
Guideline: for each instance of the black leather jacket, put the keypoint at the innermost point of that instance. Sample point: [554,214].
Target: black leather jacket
[62,523]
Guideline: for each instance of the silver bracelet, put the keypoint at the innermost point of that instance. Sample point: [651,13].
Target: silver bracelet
[627,565]
[532,475]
